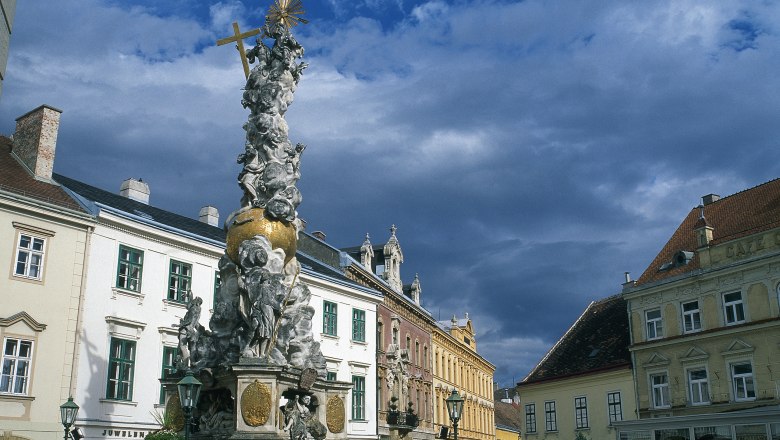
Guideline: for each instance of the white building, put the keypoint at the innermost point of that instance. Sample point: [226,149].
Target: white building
[142,261]
[345,326]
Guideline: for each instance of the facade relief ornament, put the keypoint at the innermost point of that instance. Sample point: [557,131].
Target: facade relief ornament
[256,404]
[730,280]
[335,415]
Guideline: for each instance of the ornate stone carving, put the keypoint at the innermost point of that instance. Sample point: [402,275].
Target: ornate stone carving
[301,421]
[270,161]
[256,404]
[335,414]
[261,310]
[217,416]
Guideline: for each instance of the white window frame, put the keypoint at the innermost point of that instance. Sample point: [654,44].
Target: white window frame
[530,418]
[581,412]
[691,316]
[743,378]
[29,253]
[655,323]
[733,306]
[550,422]
[661,388]
[701,385]
[613,417]
[11,378]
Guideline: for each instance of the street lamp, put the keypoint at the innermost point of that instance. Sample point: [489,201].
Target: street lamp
[455,408]
[189,389]
[68,412]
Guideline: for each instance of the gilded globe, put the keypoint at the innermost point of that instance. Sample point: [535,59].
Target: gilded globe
[246,224]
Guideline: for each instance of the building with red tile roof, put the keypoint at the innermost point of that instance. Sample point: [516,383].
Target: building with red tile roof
[705,321]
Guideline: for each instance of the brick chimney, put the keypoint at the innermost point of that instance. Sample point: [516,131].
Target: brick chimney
[137,190]
[209,215]
[35,140]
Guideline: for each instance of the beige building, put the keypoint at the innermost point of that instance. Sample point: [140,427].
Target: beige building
[705,322]
[44,236]
[584,384]
[457,365]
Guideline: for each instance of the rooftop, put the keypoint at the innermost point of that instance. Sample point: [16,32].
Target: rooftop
[742,214]
[597,341]
[15,178]
[314,255]
[507,415]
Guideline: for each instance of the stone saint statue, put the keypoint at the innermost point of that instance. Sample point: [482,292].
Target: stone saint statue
[301,422]
[189,330]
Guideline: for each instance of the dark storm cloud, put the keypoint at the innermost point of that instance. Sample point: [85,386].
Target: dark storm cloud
[529,152]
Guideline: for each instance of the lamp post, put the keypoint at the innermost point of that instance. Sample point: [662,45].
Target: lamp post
[189,390]
[68,411]
[455,408]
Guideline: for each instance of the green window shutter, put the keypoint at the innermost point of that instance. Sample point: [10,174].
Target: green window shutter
[168,367]
[121,368]
[329,318]
[358,398]
[129,269]
[179,281]
[358,325]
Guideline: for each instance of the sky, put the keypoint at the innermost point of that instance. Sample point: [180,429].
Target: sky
[529,153]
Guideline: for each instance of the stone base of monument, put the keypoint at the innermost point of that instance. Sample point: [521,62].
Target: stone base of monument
[255,401]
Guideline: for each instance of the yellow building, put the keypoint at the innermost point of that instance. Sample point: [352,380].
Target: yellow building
[584,384]
[705,322]
[457,365]
[44,236]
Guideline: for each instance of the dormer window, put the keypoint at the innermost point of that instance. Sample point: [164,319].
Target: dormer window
[681,258]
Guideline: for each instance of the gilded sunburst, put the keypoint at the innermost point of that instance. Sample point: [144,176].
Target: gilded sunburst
[287,13]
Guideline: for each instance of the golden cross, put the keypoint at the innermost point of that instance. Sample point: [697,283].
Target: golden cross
[238,37]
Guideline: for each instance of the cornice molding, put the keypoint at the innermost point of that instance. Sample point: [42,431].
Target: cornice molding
[25,318]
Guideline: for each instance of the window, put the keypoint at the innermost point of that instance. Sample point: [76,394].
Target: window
[29,257]
[331,376]
[417,359]
[742,379]
[17,357]
[712,432]
[580,412]
[734,308]
[128,274]
[121,364]
[358,398]
[168,367]
[614,407]
[697,386]
[654,324]
[179,281]
[395,335]
[550,422]
[691,317]
[358,325]
[217,283]
[660,388]
[425,357]
[329,315]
